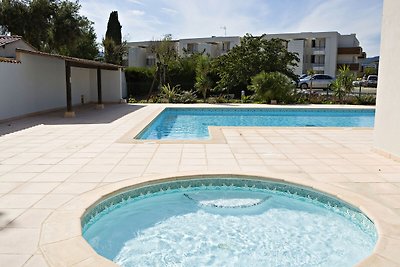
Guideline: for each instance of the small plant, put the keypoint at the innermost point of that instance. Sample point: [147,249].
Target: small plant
[343,84]
[188,97]
[170,94]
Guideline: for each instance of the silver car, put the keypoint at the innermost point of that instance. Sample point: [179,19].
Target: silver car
[318,81]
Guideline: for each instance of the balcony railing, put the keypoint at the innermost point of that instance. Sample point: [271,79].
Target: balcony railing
[350,51]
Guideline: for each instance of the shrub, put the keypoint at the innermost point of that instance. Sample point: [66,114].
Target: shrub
[271,86]
[139,80]
[187,97]
[170,94]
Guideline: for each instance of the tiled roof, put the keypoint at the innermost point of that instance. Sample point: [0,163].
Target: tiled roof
[9,60]
[4,39]
[73,60]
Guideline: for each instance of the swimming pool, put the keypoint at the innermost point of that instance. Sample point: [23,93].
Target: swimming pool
[192,123]
[228,221]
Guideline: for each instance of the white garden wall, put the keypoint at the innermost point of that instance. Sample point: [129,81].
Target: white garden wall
[32,86]
[387,120]
[38,84]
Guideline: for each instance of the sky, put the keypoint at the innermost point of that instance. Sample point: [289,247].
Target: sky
[144,20]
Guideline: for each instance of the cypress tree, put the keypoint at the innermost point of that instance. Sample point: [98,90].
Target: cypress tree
[114,28]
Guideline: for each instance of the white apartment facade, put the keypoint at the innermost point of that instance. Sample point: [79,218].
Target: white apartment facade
[140,54]
[323,52]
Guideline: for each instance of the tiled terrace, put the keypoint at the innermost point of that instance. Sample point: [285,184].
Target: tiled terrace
[47,161]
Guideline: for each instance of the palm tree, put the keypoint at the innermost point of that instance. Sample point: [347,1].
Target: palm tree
[311,72]
[344,82]
[203,81]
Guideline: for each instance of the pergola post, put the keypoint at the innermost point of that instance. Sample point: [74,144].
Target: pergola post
[69,113]
[100,104]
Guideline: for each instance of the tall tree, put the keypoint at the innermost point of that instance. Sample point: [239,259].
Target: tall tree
[252,56]
[114,49]
[114,28]
[50,25]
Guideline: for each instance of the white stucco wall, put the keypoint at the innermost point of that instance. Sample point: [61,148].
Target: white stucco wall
[297,46]
[387,119]
[110,81]
[38,84]
[81,85]
[9,49]
[32,86]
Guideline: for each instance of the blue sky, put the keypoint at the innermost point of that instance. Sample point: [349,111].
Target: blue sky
[151,19]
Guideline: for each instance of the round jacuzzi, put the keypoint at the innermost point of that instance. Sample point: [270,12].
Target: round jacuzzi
[227,221]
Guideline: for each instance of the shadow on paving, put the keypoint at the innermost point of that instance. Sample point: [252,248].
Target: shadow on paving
[86,114]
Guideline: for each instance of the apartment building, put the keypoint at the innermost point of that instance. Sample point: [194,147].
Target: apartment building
[323,52]
[141,54]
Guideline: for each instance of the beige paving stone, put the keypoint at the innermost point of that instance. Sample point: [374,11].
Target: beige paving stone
[363,177]
[6,187]
[19,201]
[51,177]
[392,201]
[52,201]
[36,261]
[19,240]
[35,188]
[7,216]
[14,260]
[73,188]
[32,218]
[86,177]
[17,176]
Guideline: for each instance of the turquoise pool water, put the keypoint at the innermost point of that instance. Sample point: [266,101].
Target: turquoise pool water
[228,222]
[192,123]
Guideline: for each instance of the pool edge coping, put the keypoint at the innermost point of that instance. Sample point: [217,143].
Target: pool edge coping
[62,244]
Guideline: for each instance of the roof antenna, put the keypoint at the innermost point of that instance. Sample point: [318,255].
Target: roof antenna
[224,28]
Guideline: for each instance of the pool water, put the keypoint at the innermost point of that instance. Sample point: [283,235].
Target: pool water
[221,225]
[192,123]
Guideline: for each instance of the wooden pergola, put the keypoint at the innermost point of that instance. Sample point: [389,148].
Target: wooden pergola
[78,63]
[88,64]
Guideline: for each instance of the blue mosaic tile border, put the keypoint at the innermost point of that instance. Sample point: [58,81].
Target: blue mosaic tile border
[309,194]
[268,110]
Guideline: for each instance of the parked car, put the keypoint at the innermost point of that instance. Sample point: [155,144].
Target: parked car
[318,81]
[370,81]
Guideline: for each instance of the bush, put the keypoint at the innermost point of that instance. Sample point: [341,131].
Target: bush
[187,97]
[271,86]
[366,100]
[139,80]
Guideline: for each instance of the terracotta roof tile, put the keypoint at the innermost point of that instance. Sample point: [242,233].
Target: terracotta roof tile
[5,39]
[73,60]
[9,60]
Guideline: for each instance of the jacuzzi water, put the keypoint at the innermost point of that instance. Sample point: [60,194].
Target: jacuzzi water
[192,123]
[225,222]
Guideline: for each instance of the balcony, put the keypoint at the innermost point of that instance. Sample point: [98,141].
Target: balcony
[352,66]
[318,50]
[318,67]
[350,51]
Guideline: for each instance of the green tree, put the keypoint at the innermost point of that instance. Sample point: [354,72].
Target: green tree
[166,56]
[114,28]
[252,56]
[203,82]
[50,25]
[271,86]
[114,48]
[343,83]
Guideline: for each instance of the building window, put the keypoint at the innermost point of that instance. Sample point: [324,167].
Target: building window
[313,43]
[150,62]
[313,59]
[192,48]
[226,46]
